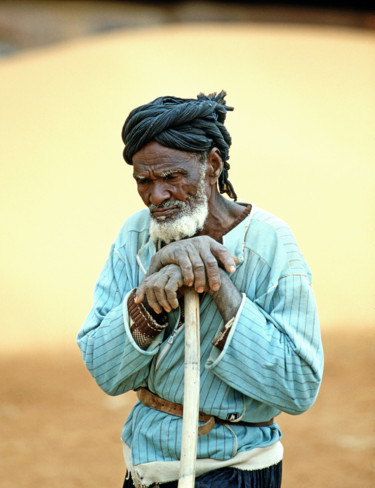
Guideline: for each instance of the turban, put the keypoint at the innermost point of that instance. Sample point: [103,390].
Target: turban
[193,125]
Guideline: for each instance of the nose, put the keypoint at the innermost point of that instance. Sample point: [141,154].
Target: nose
[159,193]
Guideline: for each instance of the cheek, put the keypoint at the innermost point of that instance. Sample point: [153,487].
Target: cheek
[183,192]
[180,191]
[142,193]
[187,189]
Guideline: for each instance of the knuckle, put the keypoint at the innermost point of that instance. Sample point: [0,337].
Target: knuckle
[223,251]
[171,297]
[148,282]
[187,270]
[215,282]
[198,267]
[170,288]
[152,303]
[184,260]
[155,288]
[211,262]
[150,294]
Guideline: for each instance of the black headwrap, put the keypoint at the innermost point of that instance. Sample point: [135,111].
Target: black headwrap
[194,125]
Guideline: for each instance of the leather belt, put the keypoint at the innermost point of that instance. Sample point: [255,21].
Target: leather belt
[153,401]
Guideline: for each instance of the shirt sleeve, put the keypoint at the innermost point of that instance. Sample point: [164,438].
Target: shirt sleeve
[109,351]
[273,352]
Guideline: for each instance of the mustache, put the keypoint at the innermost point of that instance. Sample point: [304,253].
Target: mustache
[167,204]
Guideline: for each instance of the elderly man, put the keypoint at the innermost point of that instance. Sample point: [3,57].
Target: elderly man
[261,351]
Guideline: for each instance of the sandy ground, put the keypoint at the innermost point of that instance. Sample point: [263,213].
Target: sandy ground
[59,429]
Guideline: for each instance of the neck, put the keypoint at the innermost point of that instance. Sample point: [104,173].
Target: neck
[221,215]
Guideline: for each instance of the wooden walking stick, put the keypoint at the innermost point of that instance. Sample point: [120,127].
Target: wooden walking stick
[191,391]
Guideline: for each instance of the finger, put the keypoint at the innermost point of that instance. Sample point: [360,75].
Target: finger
[198,270]
[212,271]
[171,291]
[152,301]
[224,257]
[174,283]
[140,293]
[160,295]
[182,259]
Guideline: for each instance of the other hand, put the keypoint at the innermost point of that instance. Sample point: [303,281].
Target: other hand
[160,288]
[199,259]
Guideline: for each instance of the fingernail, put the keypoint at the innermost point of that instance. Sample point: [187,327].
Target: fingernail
[200,290]
[215,287]
[232,269]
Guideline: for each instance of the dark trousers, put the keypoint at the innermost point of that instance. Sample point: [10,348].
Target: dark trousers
[231,478]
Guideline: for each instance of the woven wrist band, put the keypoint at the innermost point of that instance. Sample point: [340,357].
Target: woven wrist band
[144,327]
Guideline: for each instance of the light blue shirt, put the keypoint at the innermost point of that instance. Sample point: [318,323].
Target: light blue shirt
[272,360]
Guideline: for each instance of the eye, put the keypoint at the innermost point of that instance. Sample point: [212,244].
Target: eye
[171,176]
[142,181]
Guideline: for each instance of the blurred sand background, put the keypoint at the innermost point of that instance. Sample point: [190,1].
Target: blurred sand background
[303,87]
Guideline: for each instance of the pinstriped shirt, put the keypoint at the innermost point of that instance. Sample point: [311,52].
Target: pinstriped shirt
[272,360]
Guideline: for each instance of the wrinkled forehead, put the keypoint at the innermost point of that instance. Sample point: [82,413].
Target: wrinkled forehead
[155,157]
[154,150]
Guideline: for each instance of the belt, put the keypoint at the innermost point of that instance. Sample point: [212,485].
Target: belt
[153,401]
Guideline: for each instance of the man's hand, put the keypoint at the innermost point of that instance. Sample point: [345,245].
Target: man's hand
[199,259]
[160,292]
[160,288]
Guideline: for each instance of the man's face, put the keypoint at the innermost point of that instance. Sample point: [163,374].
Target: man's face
[172,184]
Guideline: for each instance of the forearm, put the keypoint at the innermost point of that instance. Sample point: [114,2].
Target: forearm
[227,298]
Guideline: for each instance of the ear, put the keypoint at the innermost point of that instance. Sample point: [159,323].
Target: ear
[214,165]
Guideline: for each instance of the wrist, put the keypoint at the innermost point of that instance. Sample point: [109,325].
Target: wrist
[143,326]
[160,318]
[227,297]
[221,339]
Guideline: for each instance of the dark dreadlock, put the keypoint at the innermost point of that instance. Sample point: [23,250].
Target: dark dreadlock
[195,125]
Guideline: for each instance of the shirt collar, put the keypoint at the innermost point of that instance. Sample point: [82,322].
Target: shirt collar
[234,240]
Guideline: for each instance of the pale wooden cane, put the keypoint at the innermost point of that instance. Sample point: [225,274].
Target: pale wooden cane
[191,391]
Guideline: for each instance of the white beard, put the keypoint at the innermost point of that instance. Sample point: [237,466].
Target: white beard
[189,220]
